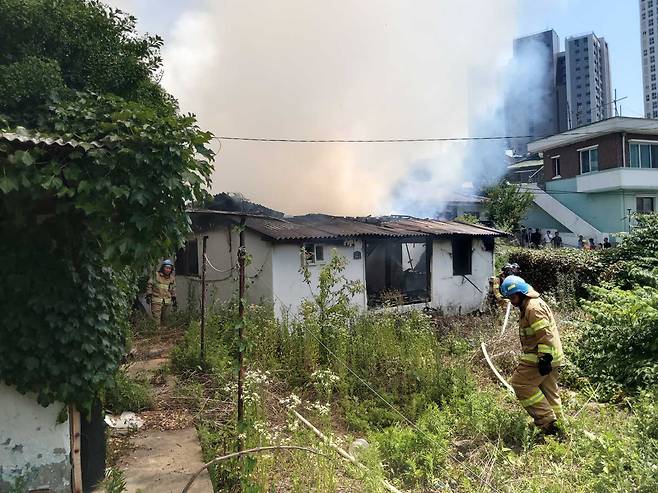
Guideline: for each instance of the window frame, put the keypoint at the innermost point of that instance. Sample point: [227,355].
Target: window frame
[466,246]
[652,200]
[311,257]
[556,169]
[187,257]
[589,150]
[640,144]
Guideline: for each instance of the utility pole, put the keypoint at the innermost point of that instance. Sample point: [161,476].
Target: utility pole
[203,299]
[242,254]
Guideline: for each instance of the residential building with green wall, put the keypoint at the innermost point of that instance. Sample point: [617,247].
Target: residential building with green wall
[596,178]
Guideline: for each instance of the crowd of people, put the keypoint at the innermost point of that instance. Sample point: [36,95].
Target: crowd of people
[535,239]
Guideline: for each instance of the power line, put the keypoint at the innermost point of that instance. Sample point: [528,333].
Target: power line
[412,139]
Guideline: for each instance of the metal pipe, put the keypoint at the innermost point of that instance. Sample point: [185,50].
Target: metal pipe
[203,298]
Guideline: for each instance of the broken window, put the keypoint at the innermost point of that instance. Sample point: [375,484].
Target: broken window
[398,271]
[187,259]
[313,253]
[461,256]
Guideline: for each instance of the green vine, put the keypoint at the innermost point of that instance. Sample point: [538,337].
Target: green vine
[80,223]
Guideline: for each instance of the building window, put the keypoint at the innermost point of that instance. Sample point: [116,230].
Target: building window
[187,259]
[461,255]
[555,161]
[652,49]
[645,205]
[397,271]
[643,155]
[589,159]
[313,253]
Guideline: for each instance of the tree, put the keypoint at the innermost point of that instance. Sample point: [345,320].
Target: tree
[79,221]
[507,204]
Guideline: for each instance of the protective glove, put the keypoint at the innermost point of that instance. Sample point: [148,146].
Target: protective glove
[148,298]
[544,365]
[174,302]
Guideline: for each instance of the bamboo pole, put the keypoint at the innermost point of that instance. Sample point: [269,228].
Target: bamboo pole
[242,254]
[345,455]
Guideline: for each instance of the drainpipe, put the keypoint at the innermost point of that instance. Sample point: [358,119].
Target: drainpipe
[623,150]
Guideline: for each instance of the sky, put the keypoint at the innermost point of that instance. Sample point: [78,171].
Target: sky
[618,21]
[364,69]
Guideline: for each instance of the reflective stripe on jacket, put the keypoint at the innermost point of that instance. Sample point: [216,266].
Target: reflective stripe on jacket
[162,288]
[538,331]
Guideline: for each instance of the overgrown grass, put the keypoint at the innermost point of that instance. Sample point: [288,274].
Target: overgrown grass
[467,432]
[128,394]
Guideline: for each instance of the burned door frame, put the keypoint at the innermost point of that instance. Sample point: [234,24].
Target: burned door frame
[373,302]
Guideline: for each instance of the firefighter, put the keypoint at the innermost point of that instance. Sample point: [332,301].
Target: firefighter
[161,293]
[535,379]
[495,282]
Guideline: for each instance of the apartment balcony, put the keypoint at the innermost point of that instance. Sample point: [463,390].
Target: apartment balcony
[618,179]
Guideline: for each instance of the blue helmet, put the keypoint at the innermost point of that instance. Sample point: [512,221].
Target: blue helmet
[514,284]
[167,262]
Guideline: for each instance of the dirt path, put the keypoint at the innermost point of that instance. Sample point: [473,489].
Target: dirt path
[165,452]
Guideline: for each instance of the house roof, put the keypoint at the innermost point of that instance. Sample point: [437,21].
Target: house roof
[465,198]
[24,137]
[528,163]
[603,127]
[322,226]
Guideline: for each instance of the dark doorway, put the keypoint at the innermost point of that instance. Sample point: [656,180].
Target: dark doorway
[398,271]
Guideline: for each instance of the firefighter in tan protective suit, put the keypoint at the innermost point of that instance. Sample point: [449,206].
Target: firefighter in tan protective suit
[535,379]
[161,292]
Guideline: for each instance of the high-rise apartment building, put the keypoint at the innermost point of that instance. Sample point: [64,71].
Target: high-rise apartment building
[531,100]
[589,91]
[648,20]
[553,91]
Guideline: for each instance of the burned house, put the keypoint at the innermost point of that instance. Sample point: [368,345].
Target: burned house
[401,261]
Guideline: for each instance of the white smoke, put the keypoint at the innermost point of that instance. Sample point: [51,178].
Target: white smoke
[341,69]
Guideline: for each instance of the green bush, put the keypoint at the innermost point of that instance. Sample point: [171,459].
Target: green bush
[619,345]
[564,272]
[415,458]
[128,394]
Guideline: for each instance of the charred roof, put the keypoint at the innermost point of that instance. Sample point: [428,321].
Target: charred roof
[323,226]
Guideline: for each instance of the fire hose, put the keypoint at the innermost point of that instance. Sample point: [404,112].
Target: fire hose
[486,353]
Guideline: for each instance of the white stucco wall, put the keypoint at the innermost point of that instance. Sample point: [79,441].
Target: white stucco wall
[222,253]
[289,286]
[32,445]
[454,294]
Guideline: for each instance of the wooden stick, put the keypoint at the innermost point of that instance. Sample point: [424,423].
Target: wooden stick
[243,452]
[74,417]
[493,368]
[340,451]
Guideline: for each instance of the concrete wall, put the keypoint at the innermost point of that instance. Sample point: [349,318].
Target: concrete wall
[454,294]
[222,253]
[289,287]
[274,273]
[33,447]
[606,211]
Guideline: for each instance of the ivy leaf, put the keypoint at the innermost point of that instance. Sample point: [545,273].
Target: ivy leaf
[7,184]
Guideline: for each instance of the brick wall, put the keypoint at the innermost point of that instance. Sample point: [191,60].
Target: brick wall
[610,155]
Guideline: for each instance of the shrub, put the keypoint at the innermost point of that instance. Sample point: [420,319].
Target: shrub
[564,272]
[128,394]
[415,458]
[619,345]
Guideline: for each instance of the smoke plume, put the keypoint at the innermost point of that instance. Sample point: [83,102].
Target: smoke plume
[342,69]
